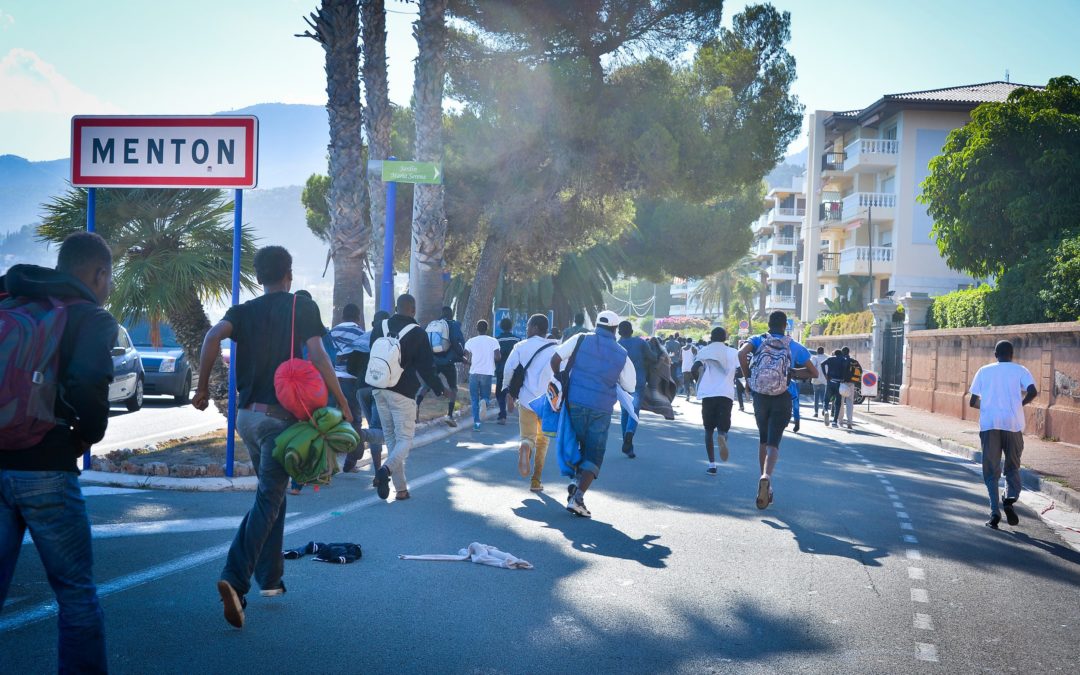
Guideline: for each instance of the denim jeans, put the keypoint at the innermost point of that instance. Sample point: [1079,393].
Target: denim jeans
[628,423]
[398,415]
[479,388]
[371,414]
[819,399]
[50,504]
[257,547]
[500,395]
[591,428]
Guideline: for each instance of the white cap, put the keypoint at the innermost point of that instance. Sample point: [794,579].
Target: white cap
[607,318]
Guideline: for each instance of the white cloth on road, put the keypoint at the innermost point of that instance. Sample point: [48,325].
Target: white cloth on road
[482,554]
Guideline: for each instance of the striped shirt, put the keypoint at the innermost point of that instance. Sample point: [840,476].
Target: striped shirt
[348,337]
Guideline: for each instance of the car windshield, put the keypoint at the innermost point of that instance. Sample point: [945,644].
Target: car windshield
[140,335]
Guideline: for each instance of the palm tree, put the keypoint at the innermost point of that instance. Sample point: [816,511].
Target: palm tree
[172,252]
[746,290]
[336,26]
[377,124]
[717,289]
[429,215]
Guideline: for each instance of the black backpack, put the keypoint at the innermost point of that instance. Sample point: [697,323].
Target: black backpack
[517,378]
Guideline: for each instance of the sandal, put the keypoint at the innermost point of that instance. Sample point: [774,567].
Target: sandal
[402,495]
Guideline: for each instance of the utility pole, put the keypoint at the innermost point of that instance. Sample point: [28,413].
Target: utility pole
[870,249]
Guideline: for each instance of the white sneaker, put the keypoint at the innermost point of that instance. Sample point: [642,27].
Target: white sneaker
[577,507]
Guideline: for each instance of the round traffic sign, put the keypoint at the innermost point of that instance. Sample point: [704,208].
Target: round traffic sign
[744,324]
[869,379]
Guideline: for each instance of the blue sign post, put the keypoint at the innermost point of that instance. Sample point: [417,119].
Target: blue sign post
[387,303]
[230,424]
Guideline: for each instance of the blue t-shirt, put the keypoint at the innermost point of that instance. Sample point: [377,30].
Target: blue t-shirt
[638,351]
[799,354]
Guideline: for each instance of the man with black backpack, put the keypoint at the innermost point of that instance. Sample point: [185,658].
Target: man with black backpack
[529,365]
[768,363]
[59,408]
[507,341]
[395,386]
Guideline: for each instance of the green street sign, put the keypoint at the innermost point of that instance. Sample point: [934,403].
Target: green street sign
[411,172]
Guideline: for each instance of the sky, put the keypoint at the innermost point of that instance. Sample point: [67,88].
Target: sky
[59,58]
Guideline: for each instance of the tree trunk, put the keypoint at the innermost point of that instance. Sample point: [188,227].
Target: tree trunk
[482,293]
[338,30]
[429,219]
[190,324]
[377,123]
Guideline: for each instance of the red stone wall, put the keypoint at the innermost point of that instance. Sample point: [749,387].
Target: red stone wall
[939,366]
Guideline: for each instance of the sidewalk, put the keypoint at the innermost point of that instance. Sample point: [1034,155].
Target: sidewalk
[1048,467]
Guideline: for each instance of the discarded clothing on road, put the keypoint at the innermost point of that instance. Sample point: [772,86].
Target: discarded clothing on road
[305,449]
[481,554]
[338,554]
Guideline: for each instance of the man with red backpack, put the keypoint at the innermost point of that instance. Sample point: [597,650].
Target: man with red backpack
[269,331]
[55,369]
[768,362]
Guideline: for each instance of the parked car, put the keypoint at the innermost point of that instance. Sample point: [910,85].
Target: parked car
[128,376]
[168,371]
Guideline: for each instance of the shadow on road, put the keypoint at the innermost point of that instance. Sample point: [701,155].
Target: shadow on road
[594,536]
[819,543]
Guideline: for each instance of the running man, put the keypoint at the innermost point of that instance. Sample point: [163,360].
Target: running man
[533,355]
[776,358]
[820,383]
[641,355]
[689,351]
[713,370]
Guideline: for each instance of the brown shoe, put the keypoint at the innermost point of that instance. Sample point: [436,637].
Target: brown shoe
[234,604]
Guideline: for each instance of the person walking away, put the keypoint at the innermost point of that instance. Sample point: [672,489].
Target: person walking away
[600,365]
[689,352]
[641,355]
[577,329]
[39,486]
[740,388]
[793,391]
[402,339]
[820,383]
[348,339]
[357,365]
[674,349]
[1000,391]
[836,373]
[449,350]
[776,358]
[713,371]
[532,355]
[507,340]
[481,355]
[847,388]
[268,331]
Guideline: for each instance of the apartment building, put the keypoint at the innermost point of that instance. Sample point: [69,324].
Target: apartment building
[776,245]
[864,170]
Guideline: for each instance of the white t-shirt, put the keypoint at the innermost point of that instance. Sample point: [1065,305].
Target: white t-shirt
[1001,387]
[539,373]
[718,376]
[817,360]
[687,359]
[482,350]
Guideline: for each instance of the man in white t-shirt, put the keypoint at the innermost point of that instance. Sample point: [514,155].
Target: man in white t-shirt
[481,355]
[689,351]
[533,354]
[714,371]
[820,383]
[1000,391]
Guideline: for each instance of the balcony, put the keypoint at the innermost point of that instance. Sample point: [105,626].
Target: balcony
[879,205]
[779,244]
[858,259]
[828,264]
[762,225]
[781,272]
[833,161]
[830,214]
[871,154]
[775,302]
[785,214]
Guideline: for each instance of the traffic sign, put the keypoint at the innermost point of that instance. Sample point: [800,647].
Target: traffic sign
[869,383]
[165,151]
[411,172]
[744,325]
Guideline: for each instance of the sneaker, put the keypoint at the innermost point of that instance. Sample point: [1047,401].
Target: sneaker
[234,603]
[571,489]
[849,426]
[764,493]
[536,486]
[994,520]
[476,426]
[795,429]
[1010,512]
[721,442]
[273,592]
[382,482]
[501,421]
[834,425]
[577,507]
[711,471]
[524,459]
[628,444]
[450,421]
[815,413]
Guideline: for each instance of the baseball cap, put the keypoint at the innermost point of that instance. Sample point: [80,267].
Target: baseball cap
[607,318]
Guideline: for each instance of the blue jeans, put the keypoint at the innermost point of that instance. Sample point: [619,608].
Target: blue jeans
[500,395]
[258,543]
[820,400]
[629,424]
[50,504]
[591,428]
[479,388]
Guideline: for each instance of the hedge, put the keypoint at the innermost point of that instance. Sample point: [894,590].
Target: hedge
[843,324]
[960,309]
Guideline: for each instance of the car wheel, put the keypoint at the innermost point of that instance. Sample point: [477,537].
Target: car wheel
[135,402]
[185,391]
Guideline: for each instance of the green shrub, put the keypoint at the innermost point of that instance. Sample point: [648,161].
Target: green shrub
[842,324]
[1061,295]
[960,309]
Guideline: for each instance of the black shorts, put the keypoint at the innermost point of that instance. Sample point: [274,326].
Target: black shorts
[716,413]
[449,371]
[772,414]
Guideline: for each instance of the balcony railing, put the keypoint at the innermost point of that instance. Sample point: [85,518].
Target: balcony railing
[783,241]
[790,211]
[828,262]
[855,254]
[872,146]
[831,211]
[782,301]
[857,203]
[777,270]
[833,161]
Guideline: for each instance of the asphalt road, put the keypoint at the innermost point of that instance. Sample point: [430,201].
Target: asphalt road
[160,419]
[873,559]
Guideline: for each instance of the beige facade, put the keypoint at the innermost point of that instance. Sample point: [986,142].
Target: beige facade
[776,243]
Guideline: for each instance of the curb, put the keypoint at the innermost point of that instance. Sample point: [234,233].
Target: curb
[426,433]
[1030,478]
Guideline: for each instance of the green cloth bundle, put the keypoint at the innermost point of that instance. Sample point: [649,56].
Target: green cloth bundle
[305,448]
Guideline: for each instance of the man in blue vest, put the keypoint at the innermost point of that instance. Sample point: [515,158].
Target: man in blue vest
[597,364]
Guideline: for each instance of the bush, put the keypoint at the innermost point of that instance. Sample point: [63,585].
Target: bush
[1061,295]
[960,309]
[842,324]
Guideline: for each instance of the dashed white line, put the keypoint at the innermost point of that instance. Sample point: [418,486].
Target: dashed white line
[905,525]
[913,554]
[910,539]
[916,573]
[902,515]
[923,622]
[898,505]
[889,488]
[925,652]
[919,595]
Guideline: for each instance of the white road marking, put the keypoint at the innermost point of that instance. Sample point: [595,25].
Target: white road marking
[923,622]
[46,610]
[885,481]
[905,525]
[925,652]
[910,539]
[902,515]
[919,595]
[916,573]
[889,488]
[913,554]
[101,491]
[898,505]
[142,528]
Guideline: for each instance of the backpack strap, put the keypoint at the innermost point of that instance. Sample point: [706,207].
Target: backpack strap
[292,334]
[537,353]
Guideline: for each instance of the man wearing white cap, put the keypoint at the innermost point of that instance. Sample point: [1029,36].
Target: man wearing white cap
[596,364]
